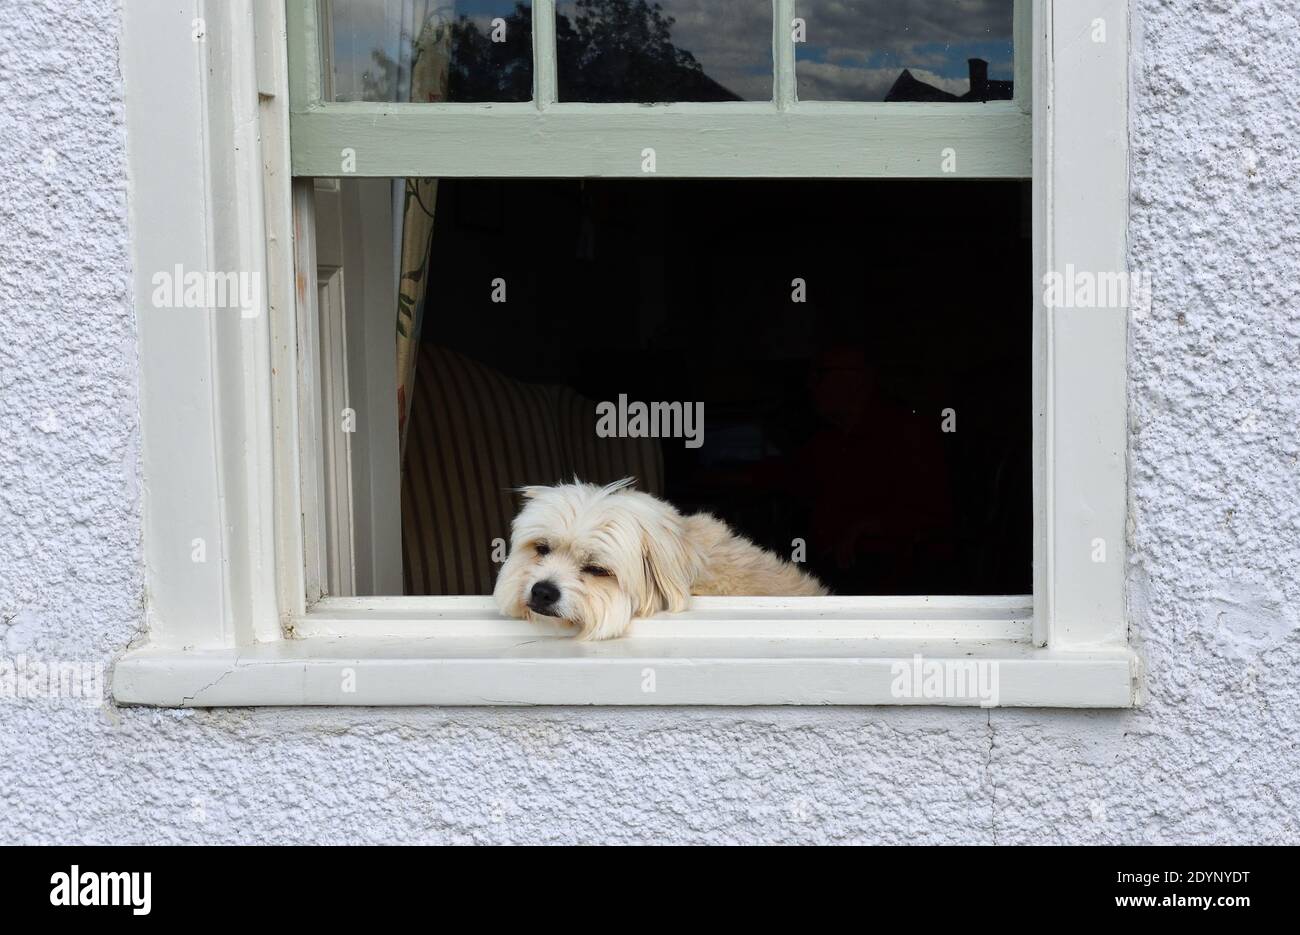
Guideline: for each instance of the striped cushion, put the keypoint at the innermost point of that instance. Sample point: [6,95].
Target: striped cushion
[474,435]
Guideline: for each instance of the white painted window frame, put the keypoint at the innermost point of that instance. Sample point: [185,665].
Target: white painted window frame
[350,494]
[224,453]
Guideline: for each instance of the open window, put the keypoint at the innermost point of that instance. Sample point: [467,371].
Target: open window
[807,239]
[822,393]
[773,351]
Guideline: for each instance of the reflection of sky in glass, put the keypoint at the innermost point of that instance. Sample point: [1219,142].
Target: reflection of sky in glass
[731,39]
[856,49]
[360,27]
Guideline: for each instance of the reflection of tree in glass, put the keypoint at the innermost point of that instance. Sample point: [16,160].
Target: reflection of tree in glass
[622,50]
[483,70]
[480,69]
[611,50]
[381,82]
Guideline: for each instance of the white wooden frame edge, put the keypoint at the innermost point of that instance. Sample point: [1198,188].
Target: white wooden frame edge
[219,403]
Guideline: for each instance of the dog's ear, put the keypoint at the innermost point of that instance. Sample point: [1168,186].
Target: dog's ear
[671,565]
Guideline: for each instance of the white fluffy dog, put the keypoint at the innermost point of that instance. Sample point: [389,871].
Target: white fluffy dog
[596,557]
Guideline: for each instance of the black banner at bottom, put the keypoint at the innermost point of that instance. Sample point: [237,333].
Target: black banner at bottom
[139,885]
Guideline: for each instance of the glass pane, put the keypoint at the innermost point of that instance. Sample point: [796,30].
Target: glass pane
[673,50]
[919,50]
[428,50]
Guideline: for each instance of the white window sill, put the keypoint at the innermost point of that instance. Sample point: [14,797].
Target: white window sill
[700,658]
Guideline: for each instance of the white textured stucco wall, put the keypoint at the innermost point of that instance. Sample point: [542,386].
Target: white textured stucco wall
[1215,397]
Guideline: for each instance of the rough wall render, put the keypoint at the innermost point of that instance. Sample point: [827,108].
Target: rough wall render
[1215,543]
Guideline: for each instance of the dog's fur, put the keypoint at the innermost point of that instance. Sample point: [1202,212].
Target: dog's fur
[596,557]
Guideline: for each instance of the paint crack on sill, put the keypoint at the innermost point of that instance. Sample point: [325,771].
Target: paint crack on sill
[187,700]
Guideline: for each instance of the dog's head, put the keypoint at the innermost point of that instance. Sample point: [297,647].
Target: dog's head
[595,557]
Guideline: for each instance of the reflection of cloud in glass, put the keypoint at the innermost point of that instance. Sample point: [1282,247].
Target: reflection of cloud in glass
[858,49]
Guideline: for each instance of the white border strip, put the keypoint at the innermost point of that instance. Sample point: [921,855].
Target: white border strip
[631,671]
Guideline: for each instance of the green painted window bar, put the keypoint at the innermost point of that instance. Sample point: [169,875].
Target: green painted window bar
[677,88]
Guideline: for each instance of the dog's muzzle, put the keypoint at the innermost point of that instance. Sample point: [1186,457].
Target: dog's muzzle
[543,598]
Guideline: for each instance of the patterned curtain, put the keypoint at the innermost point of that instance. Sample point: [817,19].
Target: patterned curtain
[430,63]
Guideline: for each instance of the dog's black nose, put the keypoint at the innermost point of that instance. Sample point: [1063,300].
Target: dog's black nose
[544,594]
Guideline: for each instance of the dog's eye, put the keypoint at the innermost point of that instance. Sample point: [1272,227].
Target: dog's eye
[595,571]
[542,548]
